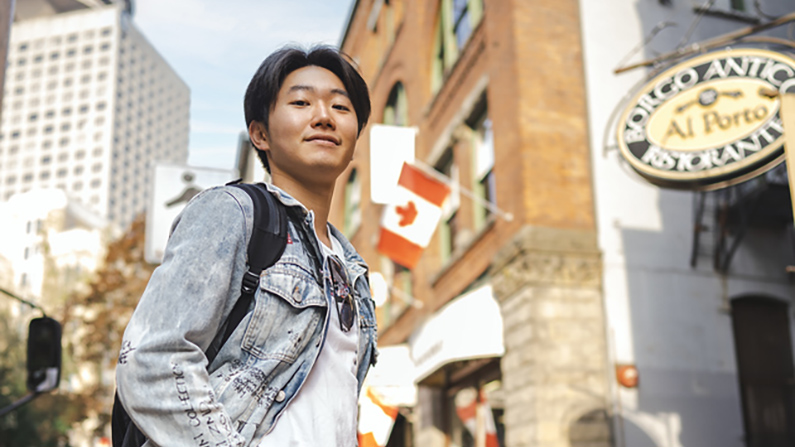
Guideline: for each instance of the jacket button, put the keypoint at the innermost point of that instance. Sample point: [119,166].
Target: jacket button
[280,396]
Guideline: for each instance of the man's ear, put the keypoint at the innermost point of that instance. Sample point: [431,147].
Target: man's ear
[258,135]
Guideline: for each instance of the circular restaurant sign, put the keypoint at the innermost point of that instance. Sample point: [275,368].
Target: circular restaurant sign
[710,121]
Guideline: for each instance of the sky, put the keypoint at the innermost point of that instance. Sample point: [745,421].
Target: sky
[216,46]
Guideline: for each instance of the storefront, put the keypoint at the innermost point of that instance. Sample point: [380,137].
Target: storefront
[449,371]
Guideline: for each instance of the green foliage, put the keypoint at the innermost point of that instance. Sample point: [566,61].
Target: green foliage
[44,421]
[93,319]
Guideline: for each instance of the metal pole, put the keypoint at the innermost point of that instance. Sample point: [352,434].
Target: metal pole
[711,43]
[428,169]
[788,117]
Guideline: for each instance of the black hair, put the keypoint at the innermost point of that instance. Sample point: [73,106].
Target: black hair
[264,87]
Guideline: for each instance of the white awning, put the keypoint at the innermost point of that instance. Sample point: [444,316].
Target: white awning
[468,327]
[392,378]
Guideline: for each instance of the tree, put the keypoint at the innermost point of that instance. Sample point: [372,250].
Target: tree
[94,323]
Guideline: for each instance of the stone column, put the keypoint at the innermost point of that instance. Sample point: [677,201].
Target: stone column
[548,283]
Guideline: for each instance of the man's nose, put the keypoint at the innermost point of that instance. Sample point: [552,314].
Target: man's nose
[323,116]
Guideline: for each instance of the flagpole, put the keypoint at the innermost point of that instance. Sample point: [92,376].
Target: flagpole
[428,169]
[406,298]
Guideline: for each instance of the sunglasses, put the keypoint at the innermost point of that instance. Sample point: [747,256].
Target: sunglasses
[341,290]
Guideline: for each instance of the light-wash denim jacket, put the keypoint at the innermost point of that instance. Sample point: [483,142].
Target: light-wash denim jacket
[163,378]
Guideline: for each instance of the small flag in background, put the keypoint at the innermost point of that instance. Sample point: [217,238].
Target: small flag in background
[409,222]
[474,411]
[376,420]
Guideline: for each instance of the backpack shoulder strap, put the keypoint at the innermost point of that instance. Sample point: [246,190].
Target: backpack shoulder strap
[266,246]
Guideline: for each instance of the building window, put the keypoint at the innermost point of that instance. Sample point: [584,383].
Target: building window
[396,110]
[483,163]
[401,292]
[353,202]
[450,226]
[454,25]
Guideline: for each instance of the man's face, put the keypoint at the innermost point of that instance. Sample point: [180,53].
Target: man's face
[312,128]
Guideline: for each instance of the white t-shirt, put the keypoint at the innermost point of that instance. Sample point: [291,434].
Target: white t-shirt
[325,409]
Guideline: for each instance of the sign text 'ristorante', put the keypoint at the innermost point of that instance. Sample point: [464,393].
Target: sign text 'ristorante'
[710,121]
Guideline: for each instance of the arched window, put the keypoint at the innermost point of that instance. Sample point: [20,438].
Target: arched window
[396,112]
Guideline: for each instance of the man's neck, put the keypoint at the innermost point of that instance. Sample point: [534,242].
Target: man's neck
[314,197]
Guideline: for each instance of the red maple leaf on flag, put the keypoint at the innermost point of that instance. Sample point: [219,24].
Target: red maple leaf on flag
[407,213]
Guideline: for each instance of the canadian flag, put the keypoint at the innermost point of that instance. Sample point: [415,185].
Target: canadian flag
[375,420]
[475,413]
[409,222]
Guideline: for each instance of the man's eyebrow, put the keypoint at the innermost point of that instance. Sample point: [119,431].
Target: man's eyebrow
[309,88]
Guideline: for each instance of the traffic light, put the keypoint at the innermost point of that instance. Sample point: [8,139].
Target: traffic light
[44,355]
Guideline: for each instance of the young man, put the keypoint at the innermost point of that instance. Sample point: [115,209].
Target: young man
[290,373]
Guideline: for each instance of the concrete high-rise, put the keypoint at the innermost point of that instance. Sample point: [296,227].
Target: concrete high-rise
[89,107]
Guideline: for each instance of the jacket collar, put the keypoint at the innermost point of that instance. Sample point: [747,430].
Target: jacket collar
[352,257]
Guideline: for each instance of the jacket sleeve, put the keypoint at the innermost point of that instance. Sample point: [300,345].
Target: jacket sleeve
[161,375]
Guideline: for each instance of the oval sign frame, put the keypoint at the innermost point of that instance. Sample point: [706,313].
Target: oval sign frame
[727,97]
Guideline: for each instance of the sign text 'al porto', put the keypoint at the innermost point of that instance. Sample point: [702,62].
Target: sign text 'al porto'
[710,121]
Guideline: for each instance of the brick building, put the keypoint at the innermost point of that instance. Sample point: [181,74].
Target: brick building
[593,306]
[496,92]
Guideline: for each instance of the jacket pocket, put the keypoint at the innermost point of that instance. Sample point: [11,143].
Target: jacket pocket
[289,306]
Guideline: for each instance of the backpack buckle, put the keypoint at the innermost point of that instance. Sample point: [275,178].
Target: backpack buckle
[250,282]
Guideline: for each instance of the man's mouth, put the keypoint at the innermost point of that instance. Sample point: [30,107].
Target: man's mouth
[328,138]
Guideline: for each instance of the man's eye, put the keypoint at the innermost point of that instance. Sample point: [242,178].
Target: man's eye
[299,102]
[342,107]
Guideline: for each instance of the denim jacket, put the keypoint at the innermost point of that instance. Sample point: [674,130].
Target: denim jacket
[163,379]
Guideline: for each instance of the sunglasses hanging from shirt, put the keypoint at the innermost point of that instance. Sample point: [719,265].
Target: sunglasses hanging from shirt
[341,291]
[340,286]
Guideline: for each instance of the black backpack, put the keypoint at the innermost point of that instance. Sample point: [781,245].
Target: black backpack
[266,246]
